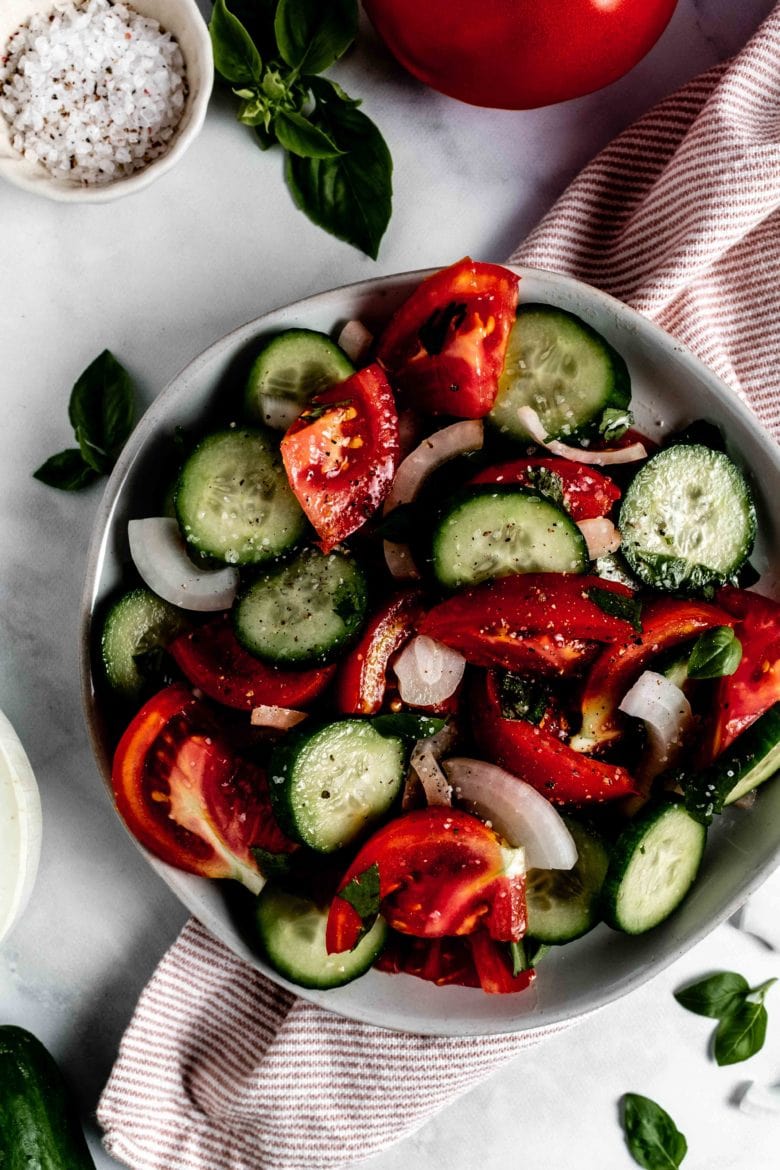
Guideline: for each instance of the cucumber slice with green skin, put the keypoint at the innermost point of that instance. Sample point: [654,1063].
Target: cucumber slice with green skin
[292,935]
[233,501]
[688,519]
[563,369]
[565,904]
[493,531]
[303,612]
[291,369]
[752,758]
[652,867]
[331,783]
[137,623]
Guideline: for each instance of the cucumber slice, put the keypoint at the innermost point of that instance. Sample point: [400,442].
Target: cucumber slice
[652,867]
[329,784]
[688,519]
[292,935]
[303,612]
[565,904]
[494,530]
[561,367]
[289,371]
[752,758]
[233,501]
[137,623]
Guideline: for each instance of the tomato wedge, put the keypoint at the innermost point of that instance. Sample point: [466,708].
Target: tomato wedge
[213,660]
[341,454]
[755,685]
[188,797]
[493,966]
[666,623]
[441,872]
[445,346]
[537,755]
[442,961]
[362,680]
[541,623]
[587,493]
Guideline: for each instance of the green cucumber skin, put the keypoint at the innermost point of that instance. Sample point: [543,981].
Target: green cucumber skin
[283,347]
[750,760]
[274,911]
[666,568]
[285,791]
[572,919]
[633,838]
[39,1129]
[154,623]
[457,506]
[617,393]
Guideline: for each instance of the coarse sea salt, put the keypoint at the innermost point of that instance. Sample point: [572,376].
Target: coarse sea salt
[92,91]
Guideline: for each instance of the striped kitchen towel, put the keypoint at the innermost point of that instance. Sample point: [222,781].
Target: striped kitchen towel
[222,1070]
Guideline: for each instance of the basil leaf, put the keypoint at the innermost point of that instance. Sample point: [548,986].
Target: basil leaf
[257,17]
[312,35]
[715,653]
[617,605]
[741,1033]
[714,996]
[653,1139]
[517,957]
[614,423]
[66,471]
[548,483]
[236,56]
[676,575]
[362,893]
[298,135]
[404,725]
[349,196]
[522,697]
[271,865]
[102,411]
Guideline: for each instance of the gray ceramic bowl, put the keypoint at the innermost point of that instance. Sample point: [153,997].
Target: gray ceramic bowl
[179,17]
[671,387]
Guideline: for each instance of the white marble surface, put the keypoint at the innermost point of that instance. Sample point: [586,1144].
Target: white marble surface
[156,278]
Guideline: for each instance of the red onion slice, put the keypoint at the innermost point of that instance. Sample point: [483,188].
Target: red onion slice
[160,555]
[666,713]
[428,672]
[435,784]
[533,424]
[515,810]
[278,718]
[601,536]
[356,341]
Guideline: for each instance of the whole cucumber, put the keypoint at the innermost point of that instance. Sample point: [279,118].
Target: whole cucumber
[39,1129]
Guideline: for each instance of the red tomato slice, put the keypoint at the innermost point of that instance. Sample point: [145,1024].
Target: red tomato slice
[445,346]
[341,454]
[587,493]
[755,684]
[538,756]
[442,961]
[362,680]
[441,872]
[493,966]
[187,796]
[543,623]
[213,660]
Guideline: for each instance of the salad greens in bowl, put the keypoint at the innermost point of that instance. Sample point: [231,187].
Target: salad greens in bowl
[431,650]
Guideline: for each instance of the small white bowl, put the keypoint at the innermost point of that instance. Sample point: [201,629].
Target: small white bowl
[20,828]
[183,20]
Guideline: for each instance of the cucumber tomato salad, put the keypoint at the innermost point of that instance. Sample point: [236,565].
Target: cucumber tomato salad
[435,654]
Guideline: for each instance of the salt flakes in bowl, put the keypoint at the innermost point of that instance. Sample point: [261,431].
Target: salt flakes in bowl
[96,93]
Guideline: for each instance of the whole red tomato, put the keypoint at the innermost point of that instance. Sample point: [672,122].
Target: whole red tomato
[518,54]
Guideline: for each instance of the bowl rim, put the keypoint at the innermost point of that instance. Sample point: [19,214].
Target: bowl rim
[194,110]
[144,431]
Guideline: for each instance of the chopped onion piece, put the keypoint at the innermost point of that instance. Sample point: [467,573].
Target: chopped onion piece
[515,810]
[160,555]
[433,780]
[356,341]
[400,561]
[760,1100]
[280,413]
[666,713]
[601,536]
[434,451]
[533,424]
[428,672]
[279,718]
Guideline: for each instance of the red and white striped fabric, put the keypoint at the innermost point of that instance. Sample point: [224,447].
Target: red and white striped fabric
[222,1070]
